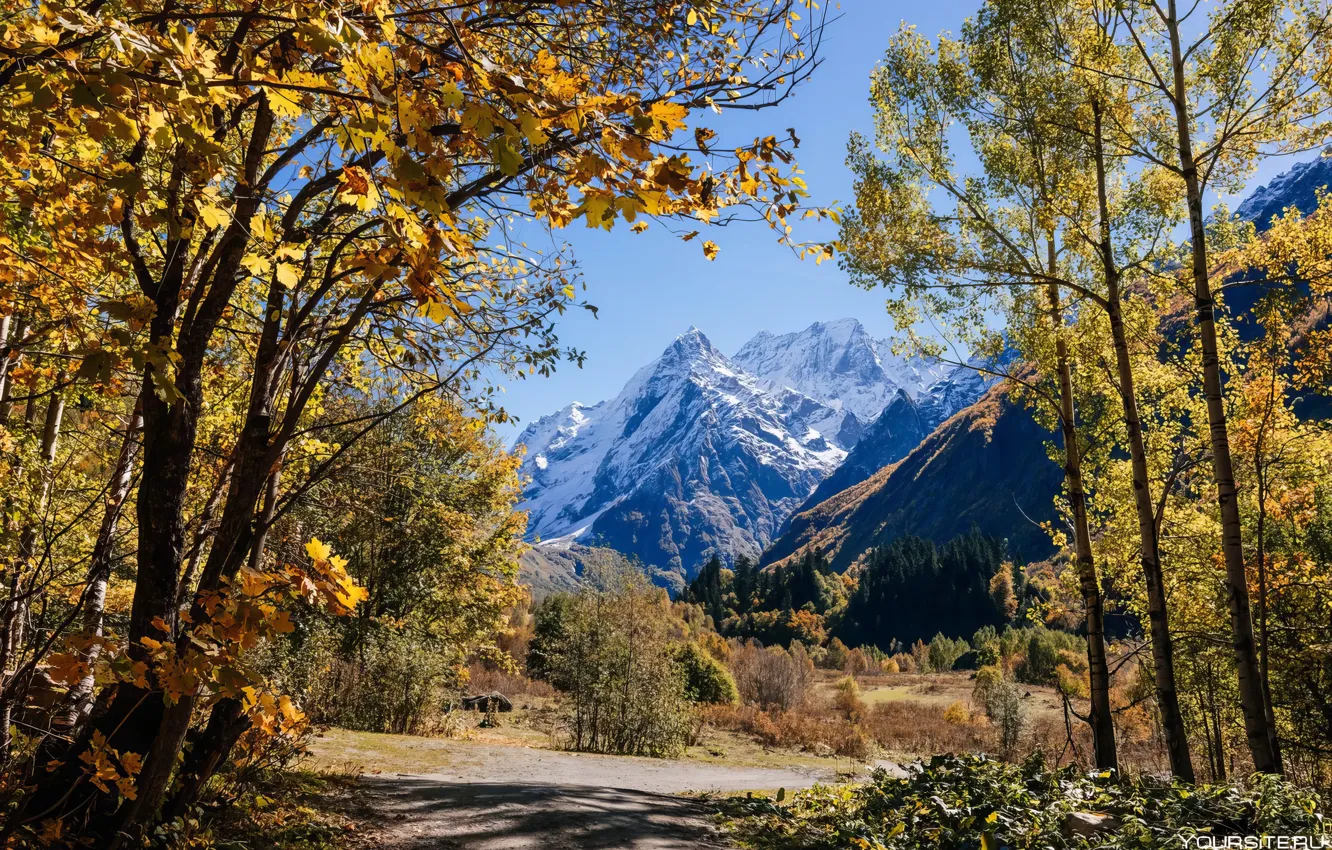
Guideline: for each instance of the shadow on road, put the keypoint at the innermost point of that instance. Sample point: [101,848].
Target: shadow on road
[421,813]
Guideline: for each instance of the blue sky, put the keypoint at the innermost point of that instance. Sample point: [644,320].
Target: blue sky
[651,287]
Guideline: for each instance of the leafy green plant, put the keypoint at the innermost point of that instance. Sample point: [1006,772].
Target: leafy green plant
[977,802]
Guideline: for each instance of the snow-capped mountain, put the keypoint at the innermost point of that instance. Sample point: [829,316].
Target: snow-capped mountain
[907,420]
[1297,187]
[839,364]
[701,453]
[694,455]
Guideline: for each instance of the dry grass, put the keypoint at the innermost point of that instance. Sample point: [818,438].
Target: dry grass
[906,716]
[819,733]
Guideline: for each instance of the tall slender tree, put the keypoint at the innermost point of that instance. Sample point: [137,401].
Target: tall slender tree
[1211,96]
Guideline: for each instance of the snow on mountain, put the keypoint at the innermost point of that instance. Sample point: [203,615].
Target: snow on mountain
[694,455]
[1297,187]
[839,364]
[906,421]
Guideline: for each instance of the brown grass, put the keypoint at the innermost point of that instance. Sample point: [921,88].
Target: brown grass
[802,730]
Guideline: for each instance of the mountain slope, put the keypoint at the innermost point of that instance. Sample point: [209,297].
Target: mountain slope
[554,569]
[1297,187]
[901,426]
[985,466]
[988,463]
[693,456]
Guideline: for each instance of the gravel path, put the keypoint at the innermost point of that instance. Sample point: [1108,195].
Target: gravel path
[492,797]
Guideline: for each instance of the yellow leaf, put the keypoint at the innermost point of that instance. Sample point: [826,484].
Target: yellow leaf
[509,159]
[710,249]
[288,275]
[318,550]
[257,265]
[45,35]
[532,129]
[212,216]
[670,115]
[692,18]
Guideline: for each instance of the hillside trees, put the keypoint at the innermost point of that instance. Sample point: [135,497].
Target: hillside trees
[911,589]
[258,220]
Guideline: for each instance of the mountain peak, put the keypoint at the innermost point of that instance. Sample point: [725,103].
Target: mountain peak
[845,327]
[835,362]
[692,344]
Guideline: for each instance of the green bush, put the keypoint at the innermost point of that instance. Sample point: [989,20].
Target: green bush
[986,644]
[608,649]
[944,652]
[1043,654]
[707,681]
[968,802]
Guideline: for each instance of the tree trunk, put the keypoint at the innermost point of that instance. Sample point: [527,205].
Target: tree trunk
[16,611]
[80,699]
[1163,652]
[1264,669]
[1098,670]
[1261,738]
[18,330]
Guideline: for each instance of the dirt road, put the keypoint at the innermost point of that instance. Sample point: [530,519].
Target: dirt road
[489,797]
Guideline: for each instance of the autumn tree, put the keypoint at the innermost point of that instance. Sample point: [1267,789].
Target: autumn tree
[1020,236]
[1209,97]
[235,215]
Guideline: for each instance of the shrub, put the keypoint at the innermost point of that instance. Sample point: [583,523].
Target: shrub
[771,677]
[957,713]
[612,655]
[835,656]
[1046,648]
[847,701]
[394,681]
[955,802]
[795,729]
[944,652]
[1071,683]
[905,663]
[986,644]
[987,679]
[890,665]
[905,726]
[857,663]
[706,680]
[920,653]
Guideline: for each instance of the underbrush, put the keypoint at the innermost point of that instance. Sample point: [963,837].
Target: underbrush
[898,729]
[819,734]
[286,810]
[517,687]
[956,802]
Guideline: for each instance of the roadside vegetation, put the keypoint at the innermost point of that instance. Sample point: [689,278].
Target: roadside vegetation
[952,802]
